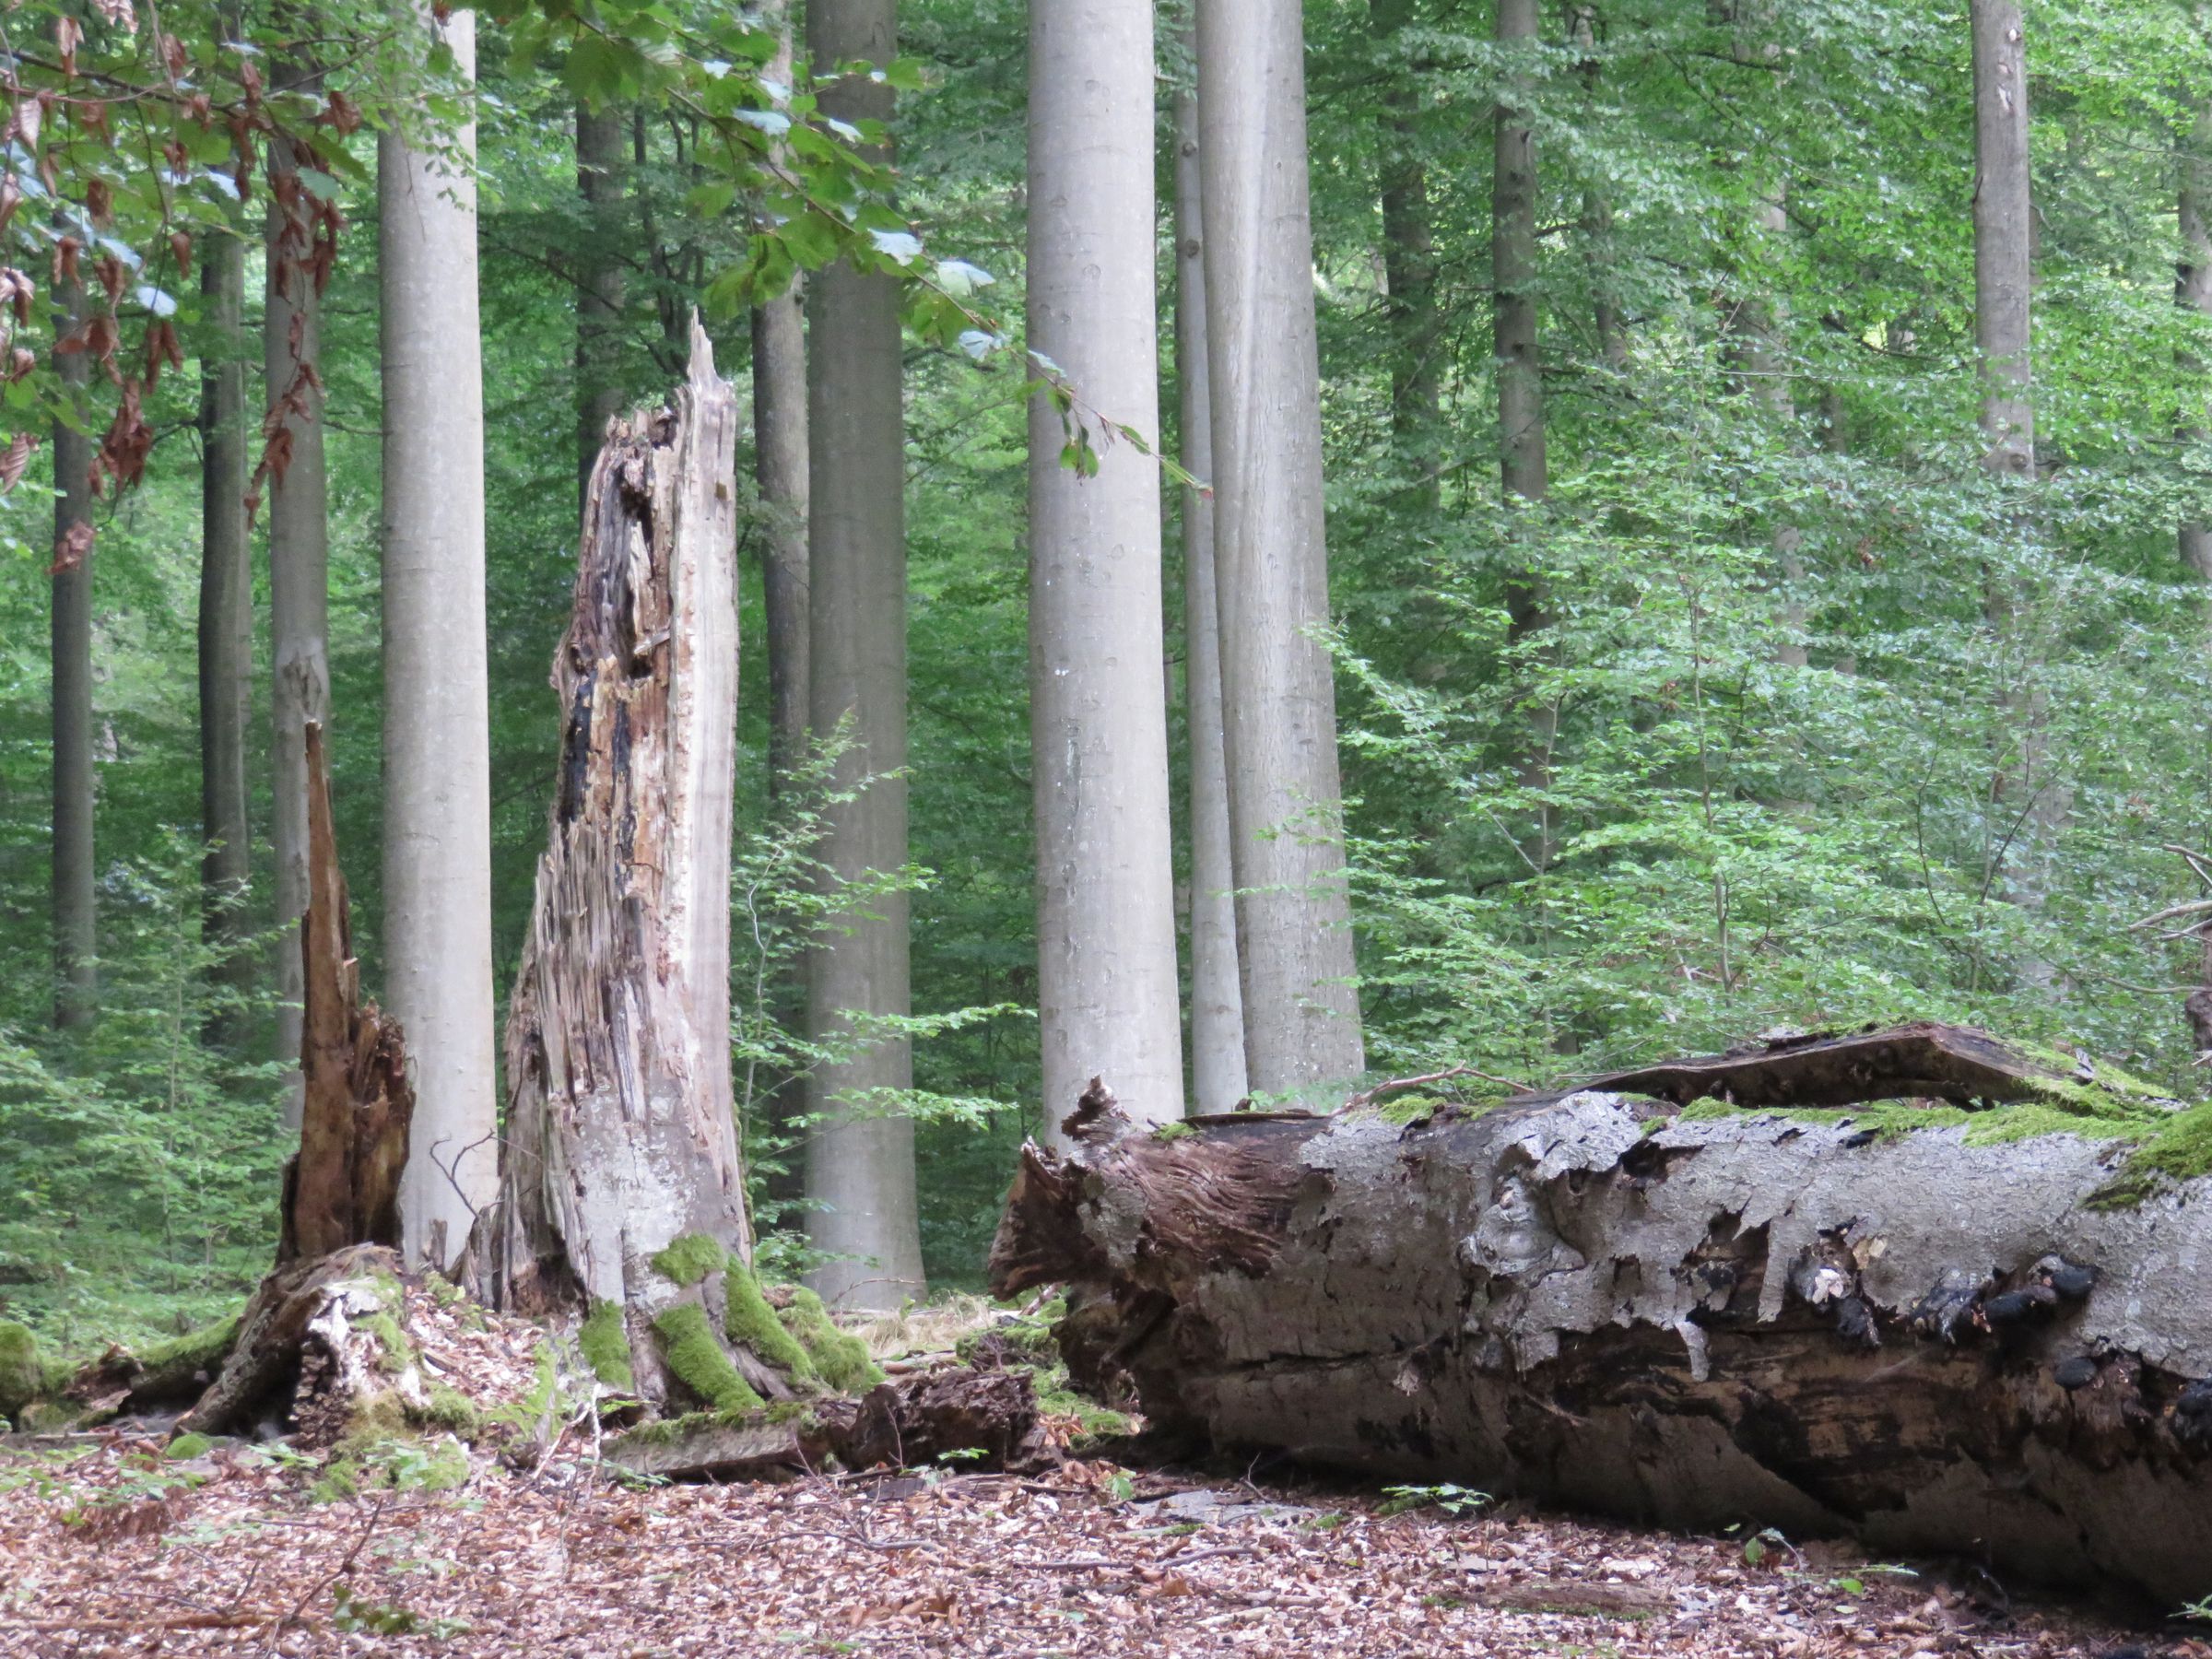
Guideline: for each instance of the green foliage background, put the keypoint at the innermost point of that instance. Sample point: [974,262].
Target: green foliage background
[1739,843]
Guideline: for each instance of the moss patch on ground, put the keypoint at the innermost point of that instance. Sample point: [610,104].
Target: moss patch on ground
[696,1360]
[606,1344]
[839,1359]
[22,1376]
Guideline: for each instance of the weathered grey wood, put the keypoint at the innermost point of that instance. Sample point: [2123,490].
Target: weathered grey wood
[1700,1320]
[620,1134]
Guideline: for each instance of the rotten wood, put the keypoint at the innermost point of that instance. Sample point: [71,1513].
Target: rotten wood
[904,1422]
[1934,1341]
[621,1137]
[1925,1061]
[342,1186]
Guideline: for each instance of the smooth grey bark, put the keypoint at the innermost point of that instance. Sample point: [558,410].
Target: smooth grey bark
[620,1137]
[780,446]
[1408,267]
[1217,997]
[1107,991]
[601,156]
[860,1160]
[1523,466]
[76,943]
[225,615]
[2192,293]
[2003,276]
[299,577]
[437,931]
[1271,571]
[2001,236]
[780,471]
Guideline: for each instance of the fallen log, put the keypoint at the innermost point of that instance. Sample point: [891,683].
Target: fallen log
[989,1416]
[1974,1328]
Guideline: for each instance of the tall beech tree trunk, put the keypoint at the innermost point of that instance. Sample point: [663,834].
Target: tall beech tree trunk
[780,447]
[1107,994]
[225,619]
[2003,280]
[619,1133]
[1513,278]
[437,930]
[1271,568]
[1408,266]
[1700,1318]
[76,943]
[2192,293]
[602,154]
[2001,236]
[299,552]
[859,1162]
[1217,997]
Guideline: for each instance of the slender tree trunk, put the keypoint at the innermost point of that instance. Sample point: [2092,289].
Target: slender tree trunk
[2001,236]
[1106,976]
[780,469]
[299,567]
[860,1163]
[2002,273]
[2192,292]
[1217,999]
[1271,568]
[226,619]
[1519,367]
[1597,215]
[602,153]
[437,930]
[1408,267]
[620,1138]
[76,944]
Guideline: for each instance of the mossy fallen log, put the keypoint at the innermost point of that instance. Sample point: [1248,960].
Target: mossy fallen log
[986,1418]
[1938,1324]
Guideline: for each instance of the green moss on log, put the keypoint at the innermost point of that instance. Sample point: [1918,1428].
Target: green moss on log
[690,1259]
[839,1359]
[187,1446]
[204,1350]
[22,1377]
[696,1359]
[606,1344]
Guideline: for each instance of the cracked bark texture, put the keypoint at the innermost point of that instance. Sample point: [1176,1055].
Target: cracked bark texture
[1926,1344]
[620,1137]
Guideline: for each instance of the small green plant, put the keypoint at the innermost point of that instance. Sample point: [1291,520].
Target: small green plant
[1456,1501]
[354,1616]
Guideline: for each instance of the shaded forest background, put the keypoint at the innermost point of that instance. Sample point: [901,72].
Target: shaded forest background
[1835,788]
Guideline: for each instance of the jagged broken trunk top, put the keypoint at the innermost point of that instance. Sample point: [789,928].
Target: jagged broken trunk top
[619,1135]
[1988,1334]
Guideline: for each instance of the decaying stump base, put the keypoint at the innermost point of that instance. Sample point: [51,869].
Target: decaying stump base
[1986,1337]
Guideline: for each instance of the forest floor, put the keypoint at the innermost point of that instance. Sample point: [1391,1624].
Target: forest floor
[107,1550]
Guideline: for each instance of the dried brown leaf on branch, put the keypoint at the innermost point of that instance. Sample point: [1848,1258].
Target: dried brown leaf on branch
[17,457]
[72,548]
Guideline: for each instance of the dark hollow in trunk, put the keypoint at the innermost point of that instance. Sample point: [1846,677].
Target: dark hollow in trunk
[1972,1337]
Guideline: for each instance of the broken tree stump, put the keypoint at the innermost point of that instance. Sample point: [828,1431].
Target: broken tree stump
[340,1220]
[621,1190]
[342,1186]
[1974,1328]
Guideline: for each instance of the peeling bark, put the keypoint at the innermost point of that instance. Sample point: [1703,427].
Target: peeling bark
[1698,1319]
[303,1333]
[620,1134]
